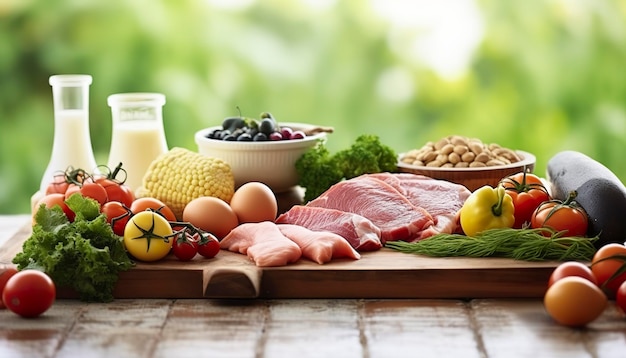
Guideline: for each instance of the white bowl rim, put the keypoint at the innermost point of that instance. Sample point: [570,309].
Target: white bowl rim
[527,159]
[262,145]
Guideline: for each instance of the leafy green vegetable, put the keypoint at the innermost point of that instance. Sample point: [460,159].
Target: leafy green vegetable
[519,244]
[84,255]
[318,169]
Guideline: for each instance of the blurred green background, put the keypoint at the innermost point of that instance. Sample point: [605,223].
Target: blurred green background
[538,75]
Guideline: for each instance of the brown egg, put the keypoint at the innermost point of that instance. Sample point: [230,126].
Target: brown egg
[211,214]
[254,202]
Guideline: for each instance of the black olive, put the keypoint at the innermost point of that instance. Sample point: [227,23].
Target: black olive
[244,137]
[260,137]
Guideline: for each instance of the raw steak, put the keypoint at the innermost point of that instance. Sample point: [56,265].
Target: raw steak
[360,233]
[381,203]
[319,246]
[263,243]
[442,199]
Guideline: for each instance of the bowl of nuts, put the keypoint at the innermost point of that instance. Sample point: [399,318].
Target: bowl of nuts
[465,161]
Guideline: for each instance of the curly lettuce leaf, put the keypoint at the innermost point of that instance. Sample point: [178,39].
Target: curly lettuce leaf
[84,255]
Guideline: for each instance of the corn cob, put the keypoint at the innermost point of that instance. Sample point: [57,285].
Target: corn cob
[180,175]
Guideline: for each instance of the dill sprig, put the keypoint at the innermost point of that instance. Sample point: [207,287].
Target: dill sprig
[520,244]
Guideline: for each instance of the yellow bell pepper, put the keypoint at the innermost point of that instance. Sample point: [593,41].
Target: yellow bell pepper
[487,208]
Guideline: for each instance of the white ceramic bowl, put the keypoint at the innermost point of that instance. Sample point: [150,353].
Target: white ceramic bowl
[473,178]
[270,162]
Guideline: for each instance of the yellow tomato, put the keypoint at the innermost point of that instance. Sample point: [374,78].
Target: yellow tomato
[148,236]
[574,301]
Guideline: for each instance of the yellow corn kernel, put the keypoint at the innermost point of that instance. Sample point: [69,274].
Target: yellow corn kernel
[180,175]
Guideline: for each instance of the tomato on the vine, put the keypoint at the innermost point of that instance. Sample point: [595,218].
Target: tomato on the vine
[152,204]
[29,293]
[148,236]
[527,192]
[185,246]
[58,184]
[609,267]
[560,215]
[88,189]
[115,188]
[117,215]
[55,199]
[208,246]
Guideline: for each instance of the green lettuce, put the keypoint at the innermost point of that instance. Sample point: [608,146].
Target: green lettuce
[84,255]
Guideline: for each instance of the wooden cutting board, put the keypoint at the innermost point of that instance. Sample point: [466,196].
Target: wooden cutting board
[382,274]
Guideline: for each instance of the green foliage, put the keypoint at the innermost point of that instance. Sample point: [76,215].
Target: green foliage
[545,76]
[84,255]
[318,169]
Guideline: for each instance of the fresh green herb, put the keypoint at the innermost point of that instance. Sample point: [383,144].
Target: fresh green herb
[84,255]
[519,244]
[318,169]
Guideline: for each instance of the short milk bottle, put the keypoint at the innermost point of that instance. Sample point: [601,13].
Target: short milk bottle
[138,136]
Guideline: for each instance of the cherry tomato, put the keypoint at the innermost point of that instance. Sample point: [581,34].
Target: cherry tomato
[94,191]
[572,268]
[4,277]
[574,301]
[117,215]
[148,236]
[117,191]
[57,185]
[147,203]
[29,293]
[55,199]
[208,246]
[560,215]
[185,247]
[605,264]
[527,192]
[620,297]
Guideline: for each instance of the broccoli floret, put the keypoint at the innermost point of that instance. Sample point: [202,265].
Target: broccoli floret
[366,156]
[318,170]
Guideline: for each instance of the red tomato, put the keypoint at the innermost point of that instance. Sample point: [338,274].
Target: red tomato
[559,215]
[54,199]
[72,189]
[4,277]
[94,191]
[117,215]
[620,297]
[605,263]
[185,247]
[208,246]
[527,192]
[117,191]
[572,268]
[142,204]
[29,293]
[57,185]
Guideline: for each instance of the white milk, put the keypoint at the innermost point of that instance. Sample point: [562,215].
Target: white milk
[136,144]
[72,144]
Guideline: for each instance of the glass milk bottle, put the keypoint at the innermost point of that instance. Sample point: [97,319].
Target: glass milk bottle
[138,136]
[72,143]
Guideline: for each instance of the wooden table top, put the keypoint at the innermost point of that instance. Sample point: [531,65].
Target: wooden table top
[302,327]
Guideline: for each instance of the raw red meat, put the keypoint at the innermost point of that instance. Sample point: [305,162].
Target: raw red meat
[263,243]
[384,205]
[360,232]
[442,199]
[319,246]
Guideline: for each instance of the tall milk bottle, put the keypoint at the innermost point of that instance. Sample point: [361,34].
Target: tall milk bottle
[72,143]
[138,136]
